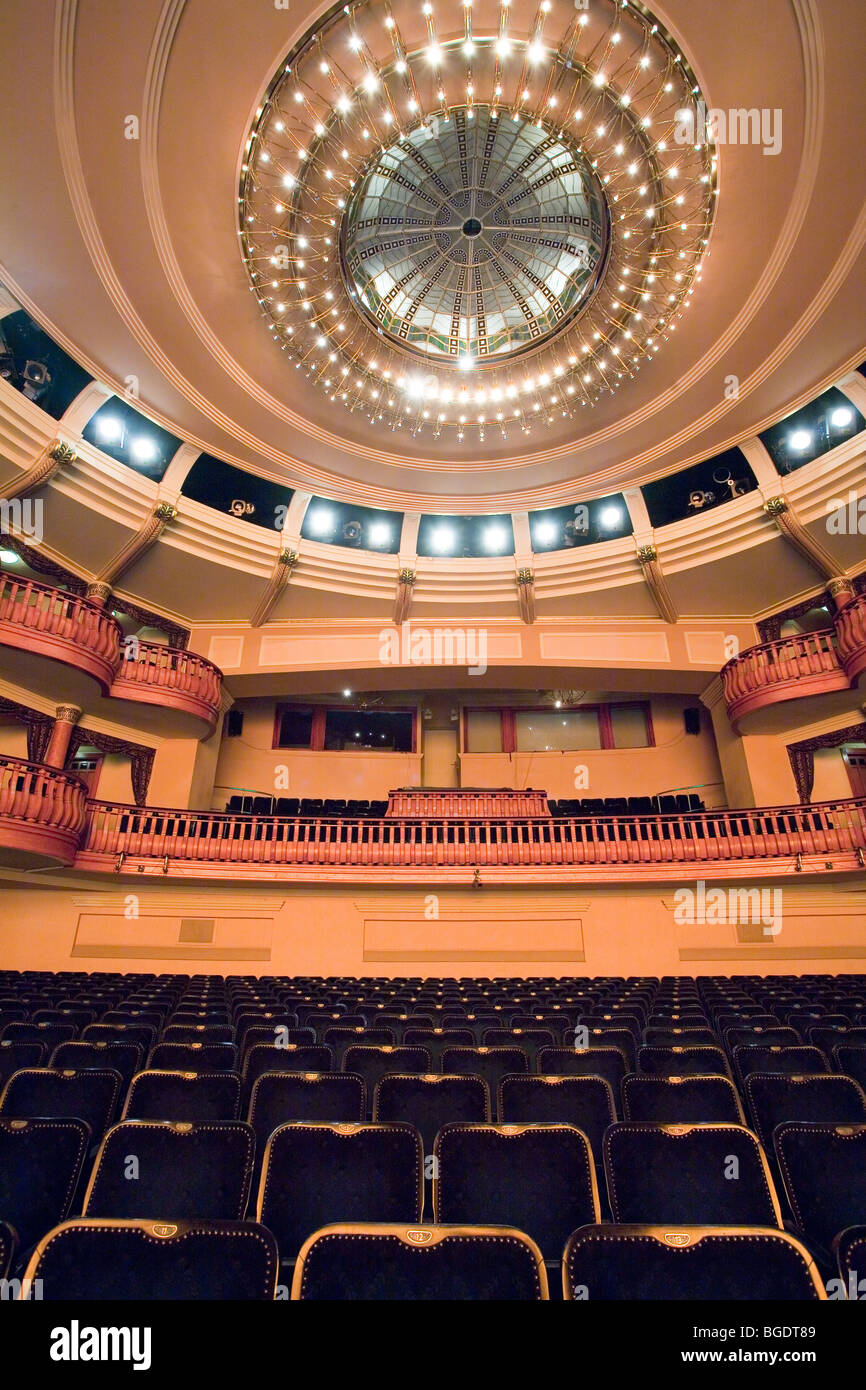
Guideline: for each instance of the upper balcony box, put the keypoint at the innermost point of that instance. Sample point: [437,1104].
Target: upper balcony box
[72,651]
[41,814]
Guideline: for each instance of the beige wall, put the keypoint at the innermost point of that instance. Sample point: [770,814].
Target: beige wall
[677,761]
[356,930]
[13,740]
[250,763]
[115,779]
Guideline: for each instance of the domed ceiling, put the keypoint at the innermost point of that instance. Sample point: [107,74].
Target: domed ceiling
[468,257]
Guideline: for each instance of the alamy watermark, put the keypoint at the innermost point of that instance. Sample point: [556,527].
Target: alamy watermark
[22,516]
[438,646]
[704,906]
[737,126]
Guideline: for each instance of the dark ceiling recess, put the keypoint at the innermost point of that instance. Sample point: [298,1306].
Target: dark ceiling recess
[813,430]
[699,488]
[465,537]
[37,367]
[581,523]
[122,432]
[358,528]
[241,494]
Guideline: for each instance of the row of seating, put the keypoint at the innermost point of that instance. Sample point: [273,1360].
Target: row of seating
[538,1178]
[582,1116]
[312,807]
[206,1260]
[678,804]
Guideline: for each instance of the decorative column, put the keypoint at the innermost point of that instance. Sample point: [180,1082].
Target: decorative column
[65,719]
[283,571]
[98,593]
[52,457]
[841,591]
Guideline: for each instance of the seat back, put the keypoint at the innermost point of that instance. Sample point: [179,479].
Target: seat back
[630,1263]
[91,1096]
[679,1099]
[316,1174]
[173,1170]
[278,1098]
[201,1097]
[430,1101]
[90,1258]
[538,1178]
[774,1099]
[712,1174]
[823,1168]
[40,1166]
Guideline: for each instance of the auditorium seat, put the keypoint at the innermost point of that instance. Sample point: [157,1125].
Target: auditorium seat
[851,1061]
[193,1057]
[133,1260]
[41,1161]
[586,1102]
[681,1099]
[430,1101]
[490,1063]
[774,1099]
[372,1063]
[197,1032]
[51,1034]
[850,1250]
[314,1175]
[176,1170]
[788,1060]
[91,1096]
[201,1097]
[681,1174]
[264,1057]
[17,1055]
[125,1057]
[279,1098]
[419,1264]
[540,1179]
[608,1062]
[629,1263]
[142,1033]
[700,1060]
[823,1168]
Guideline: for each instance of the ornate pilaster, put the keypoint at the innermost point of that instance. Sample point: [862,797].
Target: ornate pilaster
[779,510]
[403,601]
[647,557]
[525,581]
[46,464]
[841,591]
[283,571]
[65,719]
[147,535]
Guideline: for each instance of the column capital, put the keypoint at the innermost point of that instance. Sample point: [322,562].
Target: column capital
[68,714]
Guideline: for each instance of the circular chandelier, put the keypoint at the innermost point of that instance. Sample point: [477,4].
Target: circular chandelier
[476,216]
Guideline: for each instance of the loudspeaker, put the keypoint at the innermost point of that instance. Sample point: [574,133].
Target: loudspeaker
[692,719]
[234,723]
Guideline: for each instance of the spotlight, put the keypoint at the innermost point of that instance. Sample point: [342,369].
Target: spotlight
[143,449]
[493,538]
[321,521]
[442,539]
[610,517]
[9,557]
[347,694]
[842,416]
[380,533]
[799,440]
[545,532]
[110,429]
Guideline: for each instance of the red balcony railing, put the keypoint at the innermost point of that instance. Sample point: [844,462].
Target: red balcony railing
[806,663]
[42,810]
[850,623]
[162,673]
[190,838]
[54,623]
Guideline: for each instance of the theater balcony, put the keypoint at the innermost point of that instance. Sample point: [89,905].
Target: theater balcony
[56,643]
[42,815]
[183,689]
[63,646]
[789,668]
[778,841]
